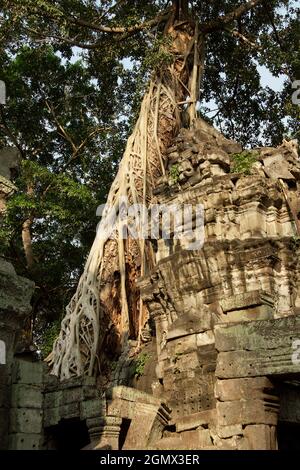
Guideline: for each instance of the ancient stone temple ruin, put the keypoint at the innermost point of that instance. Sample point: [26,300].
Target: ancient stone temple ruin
[221,368]
[15,308]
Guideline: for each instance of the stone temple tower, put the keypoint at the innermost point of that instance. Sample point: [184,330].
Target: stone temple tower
[226,315]
[221,361]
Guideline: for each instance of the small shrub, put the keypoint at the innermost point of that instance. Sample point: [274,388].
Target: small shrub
[243,162]
[137,369]
[174,173]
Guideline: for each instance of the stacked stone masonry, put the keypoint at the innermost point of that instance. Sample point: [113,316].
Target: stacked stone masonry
[242,286]
[226,318]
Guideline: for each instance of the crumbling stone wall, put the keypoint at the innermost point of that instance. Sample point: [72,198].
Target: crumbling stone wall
[77,399]
[247,271]
[9,159]
[15,295]
[20,393]
[225,316]
[26,406]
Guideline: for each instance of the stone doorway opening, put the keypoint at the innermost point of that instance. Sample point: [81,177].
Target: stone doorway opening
[124,431]
[288,428]
[68,434]
[288,436]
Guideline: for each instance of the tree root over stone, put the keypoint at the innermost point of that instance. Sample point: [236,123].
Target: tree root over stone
[92,311]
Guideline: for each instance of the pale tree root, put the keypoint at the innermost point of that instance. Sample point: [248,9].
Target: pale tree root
[83,328]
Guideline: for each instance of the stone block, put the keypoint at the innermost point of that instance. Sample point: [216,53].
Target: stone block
[5,377]
[51,417]
[119,407]
[276,166]
[169,443]
[71,395]
[240,301]
[261,437]
[72,410]
[90,392]
[26,420]
[91,408]
[138,436]
[187,361]
[205,338]
[195,420]
[26,396]
[25,372]
[51,381]
[131,395]
[185,344]
[109,434]
[246,412]
[262,334]
[190,322]
[197,439]
[276,362]
[260,312]
[207,355]
[15,293]
[204,438]
[224,432]
[4,395]
[4,422]
[246,388]
[232,443]
[53,399]
[21,441]
[89,381]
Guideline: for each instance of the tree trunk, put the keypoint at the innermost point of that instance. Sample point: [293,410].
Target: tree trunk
[181,8]
[100,304]
[26,236]
[27,242]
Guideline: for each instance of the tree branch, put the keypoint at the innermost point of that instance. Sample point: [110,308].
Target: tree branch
[81,146]
[61,130]
[63,39]
[121,29]
[118,30]
[280,43]
[222,21]
[76,149]
[237,34]
[205,28]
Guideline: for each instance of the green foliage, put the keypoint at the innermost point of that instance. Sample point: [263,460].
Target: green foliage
[137,369]
[159,54]
[58,187]
[246,110]
[50,334]
[296,238]
[5,235]
[243,162]
[174,173]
